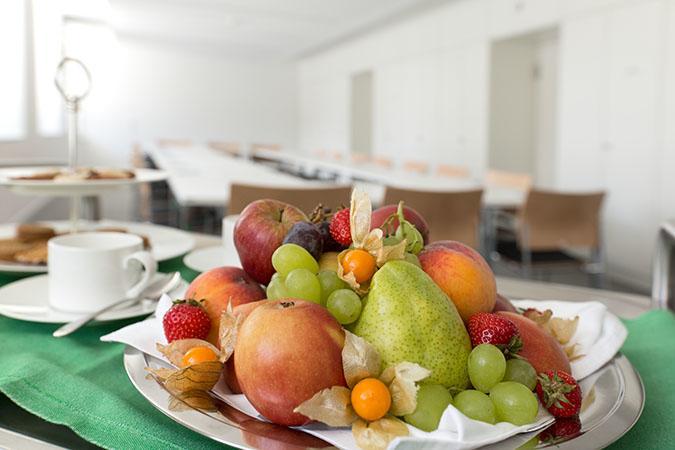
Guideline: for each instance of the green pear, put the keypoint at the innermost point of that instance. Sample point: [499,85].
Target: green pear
[407,317]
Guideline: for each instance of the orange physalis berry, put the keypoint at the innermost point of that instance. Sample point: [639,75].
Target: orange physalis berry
[371,399]
[360,263]
[198,355]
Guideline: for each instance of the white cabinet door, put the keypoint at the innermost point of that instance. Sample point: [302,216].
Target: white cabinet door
[512,17]
[635,40]
[582,103]
[473,130]
[449,106]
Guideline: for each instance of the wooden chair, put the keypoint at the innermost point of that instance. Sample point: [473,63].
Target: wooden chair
[382,162]
[164,143]
[359,158]
[305,198]
[228,148]
[549,225]
[419,167]
[448,170]
[513,180]
[453,215]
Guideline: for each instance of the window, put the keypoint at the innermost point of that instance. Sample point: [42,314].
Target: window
[12,70]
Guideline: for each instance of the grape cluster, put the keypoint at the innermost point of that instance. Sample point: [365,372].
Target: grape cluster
[298,276]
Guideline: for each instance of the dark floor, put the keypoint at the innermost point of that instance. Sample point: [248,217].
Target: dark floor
[568,276]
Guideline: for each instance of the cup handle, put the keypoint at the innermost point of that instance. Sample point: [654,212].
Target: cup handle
[149,269]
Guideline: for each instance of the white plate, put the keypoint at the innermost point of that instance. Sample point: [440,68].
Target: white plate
[73,187]
[208,258]
[27,299]
[166,242]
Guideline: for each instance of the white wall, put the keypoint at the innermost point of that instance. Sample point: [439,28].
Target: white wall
[430,97]
[146,91]
[614,115]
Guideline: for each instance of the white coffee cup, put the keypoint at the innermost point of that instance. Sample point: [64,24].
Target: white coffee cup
[88,271]
[228,231]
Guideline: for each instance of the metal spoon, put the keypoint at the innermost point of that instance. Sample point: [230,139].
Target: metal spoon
[152,292]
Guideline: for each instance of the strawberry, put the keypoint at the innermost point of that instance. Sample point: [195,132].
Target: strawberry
[340,228]
[186,319]
[488,328]
[563,429]
[559,393]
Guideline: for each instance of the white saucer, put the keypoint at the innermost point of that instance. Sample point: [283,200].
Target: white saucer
[208,258]
[26,299]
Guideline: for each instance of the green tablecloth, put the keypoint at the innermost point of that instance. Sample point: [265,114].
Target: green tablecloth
[80,382]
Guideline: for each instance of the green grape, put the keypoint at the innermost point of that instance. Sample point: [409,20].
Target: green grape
[514,403]
[277,288]
[476,405]
[522,372]
[330,281]
[432,399]
[289,257]
[412,259]
[486,367]
[303,284]
[344,305]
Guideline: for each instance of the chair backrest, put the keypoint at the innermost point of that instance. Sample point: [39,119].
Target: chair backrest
[305,198]
[163,143]
[383,162]
[358,158]
[448,170]
[265,147]
[552,220]
[453,215]
[229,148]
[416,166]
[514,180]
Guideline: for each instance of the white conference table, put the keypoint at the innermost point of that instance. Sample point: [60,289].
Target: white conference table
[493,196]
[199,176]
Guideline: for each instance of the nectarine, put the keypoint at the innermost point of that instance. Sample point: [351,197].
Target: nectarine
[462,273]
[539,347]
[217,287]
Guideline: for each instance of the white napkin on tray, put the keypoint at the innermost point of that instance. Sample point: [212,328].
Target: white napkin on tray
[599,336]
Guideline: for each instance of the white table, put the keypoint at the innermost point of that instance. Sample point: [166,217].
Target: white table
[199,176]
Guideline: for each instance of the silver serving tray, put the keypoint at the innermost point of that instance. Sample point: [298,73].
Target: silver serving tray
[619,399]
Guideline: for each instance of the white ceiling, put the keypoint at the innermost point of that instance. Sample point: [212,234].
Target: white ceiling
[256,28]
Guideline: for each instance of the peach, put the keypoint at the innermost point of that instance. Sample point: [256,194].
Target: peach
[539,347]
[462,273]
[217,287]
[285,353]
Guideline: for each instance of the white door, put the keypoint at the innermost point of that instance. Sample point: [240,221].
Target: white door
[582,103]
[635,39]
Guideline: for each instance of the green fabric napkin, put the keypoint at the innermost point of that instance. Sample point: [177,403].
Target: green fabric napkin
[650,347]
[80,382]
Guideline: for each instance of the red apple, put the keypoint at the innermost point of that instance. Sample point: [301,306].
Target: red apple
[229,370]
[462,273]
[260,230]
[539,347]
[219,286]
[285,353]
[381,214]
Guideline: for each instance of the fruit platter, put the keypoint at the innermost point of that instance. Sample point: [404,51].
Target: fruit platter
[349,329]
